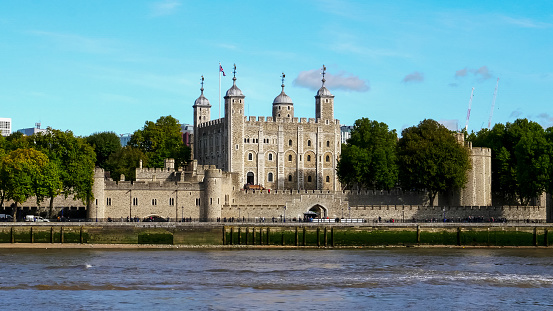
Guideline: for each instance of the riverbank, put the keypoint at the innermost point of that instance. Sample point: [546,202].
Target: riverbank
[261,235]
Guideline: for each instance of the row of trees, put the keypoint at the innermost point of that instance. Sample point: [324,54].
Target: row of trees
[522,159]
[428,158]
[152,144]
[54,162]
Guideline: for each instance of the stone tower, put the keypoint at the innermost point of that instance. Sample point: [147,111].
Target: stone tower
[202,114]
[234,127]
[324,102]
[212,201]
[282,105]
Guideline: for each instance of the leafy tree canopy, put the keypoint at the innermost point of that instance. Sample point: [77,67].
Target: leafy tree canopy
[161,140]
[125,161]
[369,157]
[104,144]
[431,159]
[521,159]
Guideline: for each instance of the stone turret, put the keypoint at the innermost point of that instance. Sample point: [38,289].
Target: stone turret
[212,196]
[97,207]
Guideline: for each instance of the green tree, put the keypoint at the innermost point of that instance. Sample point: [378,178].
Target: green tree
[125,161]
[104,145]
[431,159]
[22,174]
[75,161]
[161,140]
[521,159]
[369,157]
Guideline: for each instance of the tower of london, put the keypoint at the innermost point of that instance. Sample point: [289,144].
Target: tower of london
[277,152]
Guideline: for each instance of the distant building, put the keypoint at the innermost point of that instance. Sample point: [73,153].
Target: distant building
[187,131]
[5,126]
[124,139]
[345,133]
[32,130]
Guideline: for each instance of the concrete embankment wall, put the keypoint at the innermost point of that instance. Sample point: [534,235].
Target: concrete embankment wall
[293,235]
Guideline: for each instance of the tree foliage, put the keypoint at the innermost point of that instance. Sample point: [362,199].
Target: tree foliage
[369,157]
[521,159]
[431,159]
[161,140]
[125,161]
[24,173]
[104,144]
[75,160]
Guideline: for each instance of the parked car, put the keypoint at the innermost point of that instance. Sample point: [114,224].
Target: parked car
[6,217]
[34,218]
[155,219]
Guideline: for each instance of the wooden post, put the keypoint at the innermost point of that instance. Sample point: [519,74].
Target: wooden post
[418,233]
[61,234]
[51,234]
[253,236]
[283,231]
[459,236]
[239,235]
[332,236]
[296,240]
[268,235]
[31,232]
[324,237]
[304,236]
[231,234]
[224,235]
[81,235]
[318,237]
[545,238]
[535,236]
[12,238]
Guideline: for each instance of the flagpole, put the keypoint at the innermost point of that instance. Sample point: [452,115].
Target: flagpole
[219,90]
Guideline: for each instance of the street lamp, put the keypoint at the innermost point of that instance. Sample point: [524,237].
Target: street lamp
[239,213]
[349,210]
[284,213]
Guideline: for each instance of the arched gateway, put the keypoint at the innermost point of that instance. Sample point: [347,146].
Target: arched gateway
[319,210]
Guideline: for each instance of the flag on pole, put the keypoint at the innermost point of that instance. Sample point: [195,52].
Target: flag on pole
[221,70]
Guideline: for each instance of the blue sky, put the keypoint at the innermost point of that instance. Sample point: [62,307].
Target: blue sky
[92,66]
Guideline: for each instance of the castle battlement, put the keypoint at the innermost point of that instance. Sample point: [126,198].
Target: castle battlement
[211,123]
[481,151]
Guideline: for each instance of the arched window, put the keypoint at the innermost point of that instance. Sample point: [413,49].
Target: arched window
[327,178]
[288,116]
[309,143]
[328,143]
[290,142]
[270,157]
[290,157]
[308,158]
[250,156]
[270,177]
[308,178]
[289,177]
[327,158]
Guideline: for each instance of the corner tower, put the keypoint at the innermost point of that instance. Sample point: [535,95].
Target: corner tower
[234,126]
[202,114]
[324,102]
[282,105]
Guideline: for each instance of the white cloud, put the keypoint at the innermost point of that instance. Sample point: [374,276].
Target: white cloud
[482,73]
[413,77]
[312,79]
[452,125]
[546,120]
[515,114]
[461,73]
[165,7]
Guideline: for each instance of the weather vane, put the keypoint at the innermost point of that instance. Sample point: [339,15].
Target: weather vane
[324,72]
[234,71]
[202,82]
[283,76]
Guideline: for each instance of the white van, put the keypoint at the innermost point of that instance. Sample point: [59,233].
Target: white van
[34,218]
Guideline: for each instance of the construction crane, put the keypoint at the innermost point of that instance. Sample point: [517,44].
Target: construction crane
[493,104]
[468,112]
